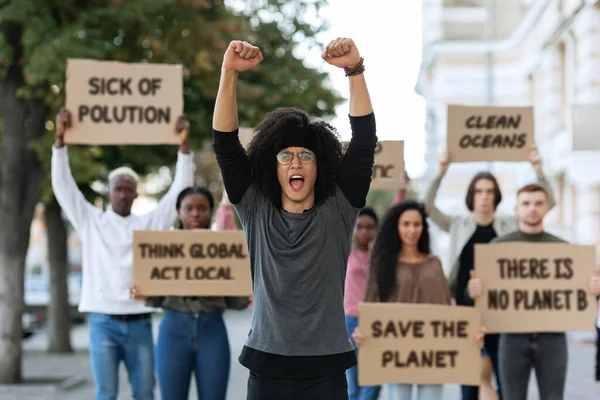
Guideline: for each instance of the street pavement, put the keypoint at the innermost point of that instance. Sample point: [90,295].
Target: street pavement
[40,369]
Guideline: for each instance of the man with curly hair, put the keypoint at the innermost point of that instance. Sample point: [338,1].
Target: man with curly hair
[298,197]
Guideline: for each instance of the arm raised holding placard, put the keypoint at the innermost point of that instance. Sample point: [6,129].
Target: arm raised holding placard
[68,195]
[164,215]
[441,219]
[536,161]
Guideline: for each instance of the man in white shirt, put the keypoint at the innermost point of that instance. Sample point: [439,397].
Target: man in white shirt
[120,327]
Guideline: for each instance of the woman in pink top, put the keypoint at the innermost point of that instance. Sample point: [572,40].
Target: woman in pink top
[355,289]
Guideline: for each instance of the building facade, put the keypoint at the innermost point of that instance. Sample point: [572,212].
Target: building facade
[544,53]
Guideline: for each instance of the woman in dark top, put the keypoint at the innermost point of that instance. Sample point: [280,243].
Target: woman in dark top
[192,335]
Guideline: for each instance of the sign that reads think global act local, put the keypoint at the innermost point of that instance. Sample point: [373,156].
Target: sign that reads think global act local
[489,133]
[191,263]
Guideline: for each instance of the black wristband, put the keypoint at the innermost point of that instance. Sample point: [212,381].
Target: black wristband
[356,70]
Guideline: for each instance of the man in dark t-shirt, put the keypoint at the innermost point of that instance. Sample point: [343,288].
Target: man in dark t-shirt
[298,197]
[545,352]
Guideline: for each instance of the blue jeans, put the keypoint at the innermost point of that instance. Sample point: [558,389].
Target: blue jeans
[404,391]
[193,343]
[112,341]
[356,392]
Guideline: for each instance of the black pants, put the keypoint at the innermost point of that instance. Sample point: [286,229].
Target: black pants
[491,348]
[597,354]
[266,388]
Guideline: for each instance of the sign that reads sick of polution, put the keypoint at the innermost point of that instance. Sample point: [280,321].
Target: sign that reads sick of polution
[191,262]
[120,103]
[535,287]
[416,343]
[489,133]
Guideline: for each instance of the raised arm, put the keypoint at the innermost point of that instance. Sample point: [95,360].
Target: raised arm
[224,215]
[442,220]
[536,161]
[231,156]
[165,213]
[356,168]
[68,195]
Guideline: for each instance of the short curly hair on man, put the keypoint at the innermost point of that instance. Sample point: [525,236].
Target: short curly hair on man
[292,127]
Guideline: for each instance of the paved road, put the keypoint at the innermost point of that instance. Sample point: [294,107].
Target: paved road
[37,364]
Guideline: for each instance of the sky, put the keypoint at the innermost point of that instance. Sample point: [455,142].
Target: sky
[389,39]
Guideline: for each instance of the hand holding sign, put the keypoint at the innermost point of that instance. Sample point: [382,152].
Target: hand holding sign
[358,337]
[133,293]
[595,283]
[535,159]
[182,126]
[444,162]
[241,56]
[342,53]
[63,121]
[475,289]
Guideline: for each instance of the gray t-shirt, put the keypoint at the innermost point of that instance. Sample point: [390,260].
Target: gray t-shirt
[298,269]
[518,236]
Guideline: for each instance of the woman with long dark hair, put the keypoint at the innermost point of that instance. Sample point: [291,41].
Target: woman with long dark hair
[192,336]
[403,270]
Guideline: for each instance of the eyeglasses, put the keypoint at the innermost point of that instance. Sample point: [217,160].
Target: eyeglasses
[304,156]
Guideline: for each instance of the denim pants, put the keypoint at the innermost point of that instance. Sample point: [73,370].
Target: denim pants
[192,343]
[546,353]
[404,392]
[356,392]
[490,349]
[113,340]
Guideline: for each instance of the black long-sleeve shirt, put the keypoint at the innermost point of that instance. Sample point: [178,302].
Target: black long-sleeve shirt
[298,262]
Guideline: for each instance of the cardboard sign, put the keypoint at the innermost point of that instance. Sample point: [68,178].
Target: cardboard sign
[418,343]
[389,164]
[536,287]
[118,103]
[586,125]
[489,133]
[191,263]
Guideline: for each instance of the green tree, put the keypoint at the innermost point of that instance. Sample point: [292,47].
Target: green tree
[37,38]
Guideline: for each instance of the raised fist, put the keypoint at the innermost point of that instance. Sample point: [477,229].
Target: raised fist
[182,127]
[241,56]
[63,121]
[342,53]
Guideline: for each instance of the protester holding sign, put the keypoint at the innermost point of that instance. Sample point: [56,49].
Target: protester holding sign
[355,289]
[298,198]
[479,226]
[403,270]
[120,328]
[192,336]
[545,352]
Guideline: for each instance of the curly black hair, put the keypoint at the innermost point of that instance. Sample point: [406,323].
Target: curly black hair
[292,127]
[387,247]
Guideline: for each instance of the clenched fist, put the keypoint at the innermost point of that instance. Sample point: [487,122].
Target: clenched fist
[241,56]
[342,53]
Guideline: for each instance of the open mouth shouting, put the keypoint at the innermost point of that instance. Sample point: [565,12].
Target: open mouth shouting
[296,182]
